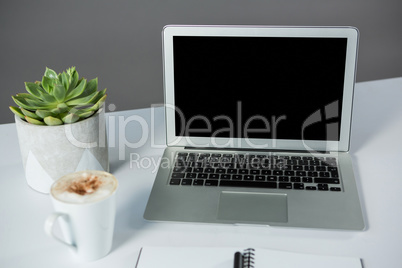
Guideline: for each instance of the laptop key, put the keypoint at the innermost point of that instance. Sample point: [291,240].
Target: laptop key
[181,163]
[335,189]
[237,177]
[214,176]
[191,175]
[295,179]
[211,183]
[243,171]
[196,164]
[303,162]
[334,174]
[177,175]
[175,181]
[324,174]
[209,170]
[311,188]
[272,178]
[198,182]
[202,176]
[252,184]
[191,158]
[332,169]
[312,174]
[326,180]
[322,187]
[198,170]
[309,168]
[226,177]
[283,178]
[301,173]
[297,167]
[248,177]
[266,172]
[186,182]
[178,169]
[260,178]
[232,171]
[321,168]
[289,173]
[285,185]
[220,170]
[254,172]
[298,186]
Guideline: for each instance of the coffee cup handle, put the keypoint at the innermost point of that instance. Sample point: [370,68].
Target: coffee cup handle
[50,220]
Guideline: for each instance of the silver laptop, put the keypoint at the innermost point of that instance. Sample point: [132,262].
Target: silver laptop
[258,126]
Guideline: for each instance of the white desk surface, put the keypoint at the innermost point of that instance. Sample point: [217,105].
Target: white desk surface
[376,149]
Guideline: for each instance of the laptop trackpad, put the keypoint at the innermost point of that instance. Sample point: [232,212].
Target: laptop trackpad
[253,207]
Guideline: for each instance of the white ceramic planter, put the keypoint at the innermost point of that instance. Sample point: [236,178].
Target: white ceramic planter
[50,152]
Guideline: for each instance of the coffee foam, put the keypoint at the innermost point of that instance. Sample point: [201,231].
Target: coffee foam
[84,187]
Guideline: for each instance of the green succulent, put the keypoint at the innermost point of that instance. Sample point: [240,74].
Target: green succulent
[58,99]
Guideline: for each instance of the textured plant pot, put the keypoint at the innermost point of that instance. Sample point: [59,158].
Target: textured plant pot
[50,152]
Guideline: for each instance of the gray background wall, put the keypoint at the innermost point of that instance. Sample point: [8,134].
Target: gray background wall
[119,41]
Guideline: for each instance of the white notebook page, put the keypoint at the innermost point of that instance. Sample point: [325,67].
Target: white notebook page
[222,257]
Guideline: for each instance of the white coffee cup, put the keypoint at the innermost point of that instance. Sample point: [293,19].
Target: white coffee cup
[85,205]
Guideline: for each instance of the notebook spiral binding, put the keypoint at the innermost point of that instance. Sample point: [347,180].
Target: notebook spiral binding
[248,258]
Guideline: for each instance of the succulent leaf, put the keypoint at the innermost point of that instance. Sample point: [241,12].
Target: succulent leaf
[101,94]
[33,89]
[35,104]
[78,90]
[49,98]
[27,95]
[21,102]
[44,113]
[52,121]
[74,80]
[33,121]
[86,114]
[61,108]
[47,84]
[30,114]
[17,112]
[65,81]
[83,101]
[59,92]
[70,118]
[96,106]
[92,86]
[101,101]
[50,73]
[70,71]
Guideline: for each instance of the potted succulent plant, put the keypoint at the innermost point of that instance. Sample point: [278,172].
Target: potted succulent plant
[61,127]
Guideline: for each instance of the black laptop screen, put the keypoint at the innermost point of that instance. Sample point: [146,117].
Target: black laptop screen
[259,87]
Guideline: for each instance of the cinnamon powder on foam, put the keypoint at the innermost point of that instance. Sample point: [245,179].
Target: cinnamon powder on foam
[85,185]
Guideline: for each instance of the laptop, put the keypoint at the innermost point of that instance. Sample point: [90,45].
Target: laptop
[258,124]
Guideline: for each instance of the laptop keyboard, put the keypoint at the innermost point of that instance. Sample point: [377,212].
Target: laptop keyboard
[256,171]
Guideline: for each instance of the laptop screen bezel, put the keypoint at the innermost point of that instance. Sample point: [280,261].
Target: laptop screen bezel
[350,33]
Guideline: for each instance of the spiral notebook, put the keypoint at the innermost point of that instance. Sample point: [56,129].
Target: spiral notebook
[223,257]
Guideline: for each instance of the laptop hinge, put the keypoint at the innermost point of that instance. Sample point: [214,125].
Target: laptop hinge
[254,150]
